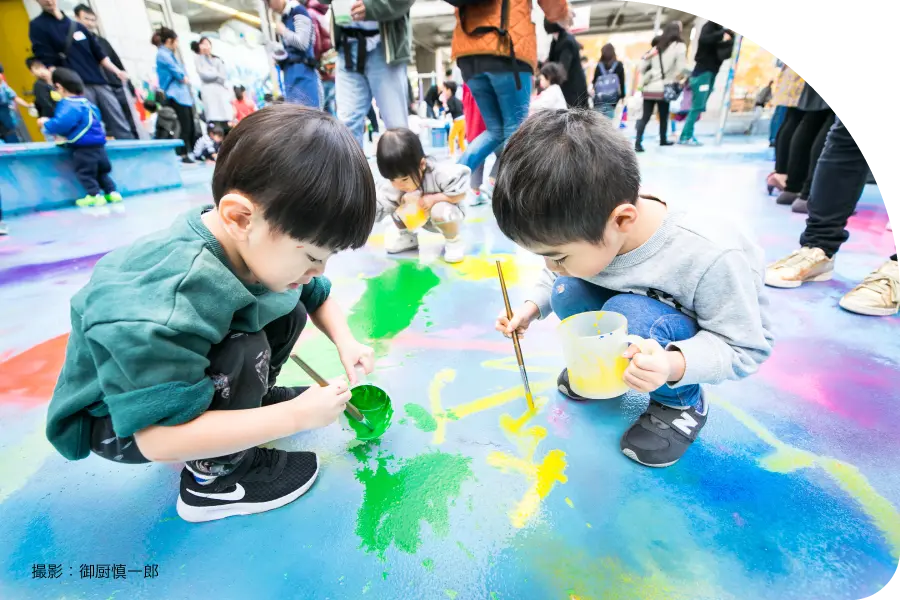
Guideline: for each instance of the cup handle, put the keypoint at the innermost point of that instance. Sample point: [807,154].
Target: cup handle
[640,342]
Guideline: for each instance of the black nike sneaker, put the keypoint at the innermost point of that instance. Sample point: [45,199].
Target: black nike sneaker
[663,434]
[265,479]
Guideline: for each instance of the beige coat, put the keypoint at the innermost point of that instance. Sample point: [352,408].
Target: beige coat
[674,61]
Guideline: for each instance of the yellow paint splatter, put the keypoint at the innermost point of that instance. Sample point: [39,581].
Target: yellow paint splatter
[569,502]
[788,458]
[481,268]
[589,526]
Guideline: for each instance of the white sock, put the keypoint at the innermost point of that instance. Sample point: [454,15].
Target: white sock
[201,478]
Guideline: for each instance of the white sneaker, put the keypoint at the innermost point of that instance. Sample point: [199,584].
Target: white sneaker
[399,240]
[801,266]
[4,230]
[455,250]
[878,295]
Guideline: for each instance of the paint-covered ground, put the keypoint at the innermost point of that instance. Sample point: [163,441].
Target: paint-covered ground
[792,490]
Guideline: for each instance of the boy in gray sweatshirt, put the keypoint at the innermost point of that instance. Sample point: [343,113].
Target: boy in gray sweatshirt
[568,189]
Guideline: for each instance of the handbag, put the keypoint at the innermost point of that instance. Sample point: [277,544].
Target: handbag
[671,91]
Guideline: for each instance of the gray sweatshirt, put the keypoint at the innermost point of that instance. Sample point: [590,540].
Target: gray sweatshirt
[443,177]
[711,271]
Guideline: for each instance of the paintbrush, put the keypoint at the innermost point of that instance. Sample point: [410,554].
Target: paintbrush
[352,410]
[515,339]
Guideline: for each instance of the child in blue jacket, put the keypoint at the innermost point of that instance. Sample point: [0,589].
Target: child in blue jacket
[78,122]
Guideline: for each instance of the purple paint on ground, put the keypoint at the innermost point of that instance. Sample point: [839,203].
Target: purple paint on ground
[24,273]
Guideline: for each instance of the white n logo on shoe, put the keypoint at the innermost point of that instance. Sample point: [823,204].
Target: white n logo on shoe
[685,424]
[236,494]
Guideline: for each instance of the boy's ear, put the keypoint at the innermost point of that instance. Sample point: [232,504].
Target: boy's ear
[624,216]
[236,212]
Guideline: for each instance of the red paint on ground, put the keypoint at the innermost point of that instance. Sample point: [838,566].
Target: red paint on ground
[29,378]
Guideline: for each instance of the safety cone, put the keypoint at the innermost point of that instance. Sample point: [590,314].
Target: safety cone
[624,117]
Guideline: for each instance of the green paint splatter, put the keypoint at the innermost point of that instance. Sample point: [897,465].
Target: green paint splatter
[470,504]
[366,587]
[402,421]
[451,415]
[495,596]
[466,550]
[362,449]
[451,594]
[384,575]
[428,564]
[421,417]
[395,504]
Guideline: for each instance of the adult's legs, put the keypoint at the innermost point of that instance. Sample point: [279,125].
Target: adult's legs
[185,116]
[775,124]
[818,146]
[329,101]
[663,121]
[110,109]
[785,134]
[355,94]
[122,97]
[646,115]
[87,169]
[389,85]
[701,88]
[489,106]
[801,148]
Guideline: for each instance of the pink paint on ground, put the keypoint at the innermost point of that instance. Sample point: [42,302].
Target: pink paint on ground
[559,421]
[422,341]
[738,520]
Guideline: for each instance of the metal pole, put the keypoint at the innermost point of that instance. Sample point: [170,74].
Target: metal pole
[266,27]
[726,99]
[658,21]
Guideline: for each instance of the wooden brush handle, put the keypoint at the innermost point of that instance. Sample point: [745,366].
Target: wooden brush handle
[354,412]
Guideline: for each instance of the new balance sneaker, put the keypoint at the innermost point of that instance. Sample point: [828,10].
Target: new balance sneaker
[878,295]
[661,436]
[113,197]
[90,200]
[562,384]
[399,240]
[801,266]
[265,480]
[455,250]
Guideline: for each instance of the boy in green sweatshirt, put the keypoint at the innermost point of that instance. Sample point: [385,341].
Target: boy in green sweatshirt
[177,340]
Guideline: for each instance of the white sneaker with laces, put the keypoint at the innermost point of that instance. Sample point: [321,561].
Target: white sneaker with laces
[878,295]
[399,240]
[801,266]
[455,250]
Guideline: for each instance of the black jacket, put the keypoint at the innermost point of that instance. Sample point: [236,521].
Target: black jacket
[48,42]
[566,51]
[43,101]
[712,49]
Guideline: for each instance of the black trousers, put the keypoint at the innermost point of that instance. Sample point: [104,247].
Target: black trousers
[185,116]
[792,118]
[838,182]
[816,152]
[243,367]
[92,168]
[801,148]
[663,107]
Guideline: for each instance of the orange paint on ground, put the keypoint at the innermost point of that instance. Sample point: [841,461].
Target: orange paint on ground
[29,378]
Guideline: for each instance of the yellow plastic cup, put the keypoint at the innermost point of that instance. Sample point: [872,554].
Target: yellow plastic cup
[593,345]
[412,215]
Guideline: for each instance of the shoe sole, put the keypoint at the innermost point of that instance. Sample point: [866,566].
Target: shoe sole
[202,514]
[790,284]
[868,311]
[630,454]
[454,261]
[402,250]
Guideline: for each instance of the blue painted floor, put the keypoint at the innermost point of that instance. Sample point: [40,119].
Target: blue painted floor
[792,490]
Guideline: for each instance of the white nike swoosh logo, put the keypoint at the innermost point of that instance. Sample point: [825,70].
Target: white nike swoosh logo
[237,494]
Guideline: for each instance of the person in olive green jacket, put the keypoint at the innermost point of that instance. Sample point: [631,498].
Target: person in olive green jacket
[374,46]
[177,340]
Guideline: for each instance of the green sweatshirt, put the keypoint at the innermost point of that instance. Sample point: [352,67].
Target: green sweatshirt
[143,326]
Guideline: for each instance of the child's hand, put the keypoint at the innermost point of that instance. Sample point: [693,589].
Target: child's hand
[352,354]
[321,406]
[650,367]
[427,201]
[522,318]
[41,122]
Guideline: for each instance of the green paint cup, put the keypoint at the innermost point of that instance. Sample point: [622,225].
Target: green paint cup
[375,405]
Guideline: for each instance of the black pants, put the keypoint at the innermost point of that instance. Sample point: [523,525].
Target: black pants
[185,116]
[663,107]
[816,152]
[801,148]
[792,118]
[92,169]
[243,367]
[838,182]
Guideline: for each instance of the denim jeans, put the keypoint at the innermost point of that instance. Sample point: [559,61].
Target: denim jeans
[503,109]
[328,103]
[701,88]
[647,318]
[386,83]
[777,120]
[301,85]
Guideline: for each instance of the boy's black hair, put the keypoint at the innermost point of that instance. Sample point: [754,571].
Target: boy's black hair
[399,154]
[554,72]
[561,175]
[217,130]
[305,170]
[82,8]
[69,80]
[451,87]
[150,106]
[33,61]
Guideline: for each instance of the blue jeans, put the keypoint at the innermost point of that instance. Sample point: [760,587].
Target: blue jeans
[386,83]
[777,120]
[301,85]
[647,318]
[607,110]
[328,97]
[503,109]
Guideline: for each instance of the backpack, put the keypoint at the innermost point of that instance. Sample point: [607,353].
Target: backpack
[607,86]
[167,125]
[501,31]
